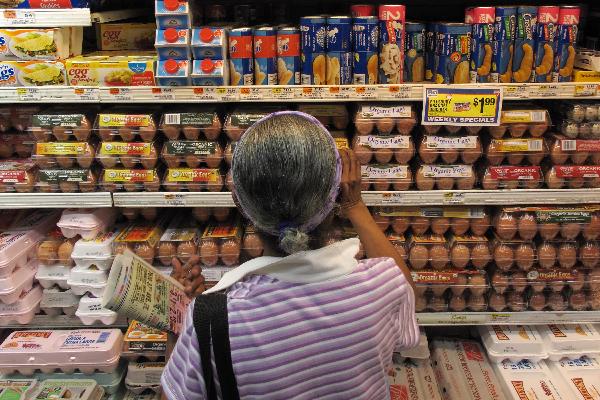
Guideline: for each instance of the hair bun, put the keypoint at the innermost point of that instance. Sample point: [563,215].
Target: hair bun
[292,240]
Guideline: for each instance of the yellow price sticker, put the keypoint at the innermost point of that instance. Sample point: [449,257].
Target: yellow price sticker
[462,106]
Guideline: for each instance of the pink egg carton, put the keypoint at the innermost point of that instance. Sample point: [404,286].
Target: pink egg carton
[16,249]
[86,350]
[87,223]
[56,302]
[21,280]
[51,275]
[90,310]
[24,309]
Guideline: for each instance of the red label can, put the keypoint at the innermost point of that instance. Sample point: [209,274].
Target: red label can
[240,43]
[392,12]
[362,10]
[483,15]
[569,15]
[548,14]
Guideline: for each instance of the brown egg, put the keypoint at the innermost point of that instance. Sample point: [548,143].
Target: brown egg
[166,252]
[213,131]
[578,301]
[570,230]
[130,213]
[108,186]
[556,302]
[579,157]
[477,303]
[65,161]
[488,182]
[127,134]
[185,250]
[39,133]
[209,252]
[469,156]
[538,130]
[591,230]
[382,222]
[594,300]
[515,302]
[147,133]
[385,125]
[457,303]
[42,188]
[194,161]
[86,159]
[230,252]
[427,155]
[153,186]
[515,158]
[383,156]
[47,252]
[518,281]
[517,130]
[537,302]
[340,121]
[381,185]
[400,224]
[105,134]
[68,187]
[537,286]
[578,281]
[594,280]
[221,214]
[557,155]
[439,256]
[493,153]
[431,129]
[506,226]
[479,226]
[108,161]
[549,231]
[497,132]
[437,304]
[459,256]
[449,156]
[89,185]
[418,257]
[460,226]
[253,244]
[452,129]
[535,158]
[497,302]
[365,185]
[420,303]
[480,255]
[363,153]
[567,255]
[546,253]
[595,158]
[149,213]
[473,130]
[216,186]
[503,256]
[6,150]
[83,131]
[420,290]
[364,126]
[149,161]
[525,256]
[553,181]
[500,282]
[405,125]
[201,214]
[440,225]
[145,251]
[438,290]
[403,183]
[171,160]
[460,285]
[466,183]
[576,182]
[191,132]
[444,183]
[403,156]
[61,133]
[527,226]
[423,182]
[420,225]
[170,131]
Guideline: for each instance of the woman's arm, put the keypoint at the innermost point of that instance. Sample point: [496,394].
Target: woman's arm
[374,241]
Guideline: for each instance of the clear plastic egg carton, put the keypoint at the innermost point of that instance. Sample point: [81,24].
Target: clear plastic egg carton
[192,124]
[140,237]
[399,243]
[128,154]
[516,152]
[126,127]
[243,117]
[445,177]
[550,222]
[129,180]
[539,280]
[383,177]
[428,252]
[15,145]
[438,220]
[204,214]
[573,176]
[17,175]
[142,342]
[17,118]
[90,311]
[192,154]
[332,116]
[180,240]
[87,223]
[449,149]
[71,180]
[84,350]
[511,177]
[60,125]
[53,275]
[193,180]
[446,130]
[221,244]
[383,149]
[55,249]
[567,253]
[561,301]
[57,302]
[518,120]
[228,152]
[64,154]
[580,130]
[579,111]
[442,291]
[95,252]
[469,251]
[384,119]
[24,309]
[252,243]
[88,280]
[133,213]
[574,151]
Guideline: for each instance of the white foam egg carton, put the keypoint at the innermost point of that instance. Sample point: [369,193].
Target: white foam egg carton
[24,309]
[83,280]
[21,280]
[85,350]
[90,310]
[81,389]
[512,342]
[413,376]
[16,249]
[580,375]
[56,302]
[570,340]
[421,351]
[530,380]
[86,223]
[50,275]
[95,252]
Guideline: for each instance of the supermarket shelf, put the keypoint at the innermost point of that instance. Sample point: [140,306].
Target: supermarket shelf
[54,200]
[63,321]
[119,15]
[200,94]
[173,199]
[489,318]
[43,18]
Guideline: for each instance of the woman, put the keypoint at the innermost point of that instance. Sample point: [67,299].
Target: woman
[303,324]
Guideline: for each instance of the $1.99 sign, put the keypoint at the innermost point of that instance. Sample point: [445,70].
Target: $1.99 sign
[462,106]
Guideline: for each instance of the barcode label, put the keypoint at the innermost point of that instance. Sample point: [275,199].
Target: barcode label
[568,145]
[172,119]
[538,116]
[536,145]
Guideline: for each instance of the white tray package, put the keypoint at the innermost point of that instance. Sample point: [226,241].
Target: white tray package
[16,249]
[80,389]
[570,340]
[144,376]
[90,310]
[92,280]
[463,371]
[21,280]
[56,302]
[512,342]
[86,223]
[86,350]
[421,351]
[95,252]
[17,389]
[413,376]
[580,375]
[530,380]
[50,275]
[24,309]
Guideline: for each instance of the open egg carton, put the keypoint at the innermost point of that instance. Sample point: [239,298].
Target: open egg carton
[442,291]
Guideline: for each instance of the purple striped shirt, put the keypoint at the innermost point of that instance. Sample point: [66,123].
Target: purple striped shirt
[326,340]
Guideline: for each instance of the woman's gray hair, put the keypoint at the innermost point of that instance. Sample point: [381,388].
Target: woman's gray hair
[286,171]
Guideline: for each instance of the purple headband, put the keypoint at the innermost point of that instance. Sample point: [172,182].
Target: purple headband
[316,219]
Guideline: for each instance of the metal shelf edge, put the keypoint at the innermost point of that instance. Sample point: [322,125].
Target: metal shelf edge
[506,318]
[55,200]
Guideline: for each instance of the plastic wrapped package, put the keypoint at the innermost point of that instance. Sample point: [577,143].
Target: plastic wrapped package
[192,154]
[126,127]
[193,180]
[445,177]
[574,151]
[69,180]
[95,252]
[53,275]
[129,180]
[428,251]
[580,130]
[540,280]
[179,240]
[132,213]
[588,254]
[570,340]
[24,309]
[56,302]
[86,223]
[579,375]
[511,177]
[384,119]
[383,149]
[204,214]
[221,243]
[128,154]
[55,249]
[469,251]
[573,176]
[412,376]
[441,291]
[252,242]
[399,243]
[228,153]
[383,177]
[15,144]
[144,376]
[517,120]
[192,124]
[64,154]
[579,111]
[88,280]
[83,389]
[518,253]
[140,237]
[61,125]
[332,116]
[90,310]
[516,151]
[243,117]
[17,175]
[450,149]
[512,342]
[143,342]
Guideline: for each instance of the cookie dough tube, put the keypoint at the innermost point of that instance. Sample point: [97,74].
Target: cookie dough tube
[391,43]
[265,56]
[313,35]
[545,47]
[453,49]
[481,43]
[524,44]
[414,49]
[504,36]
[365,37]
[566,37]
[241,63]
[289,66]
[430,51]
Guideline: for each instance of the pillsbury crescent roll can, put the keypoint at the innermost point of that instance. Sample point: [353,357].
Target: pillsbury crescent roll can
[313,31]
[265,56]
[241,63]
[566,38]
[414,52]
[524,44]
[365,39]
[545,45]
[289,66]
[453,50]
[504,36]
[391,43]
[482,20]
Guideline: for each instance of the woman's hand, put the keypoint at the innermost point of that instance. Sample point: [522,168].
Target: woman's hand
[350,183]
[189,275]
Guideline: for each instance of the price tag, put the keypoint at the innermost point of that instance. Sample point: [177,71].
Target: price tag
[283,93]
[499,317]
[340,92]
[87,94]
[516,92]
[453,198]
[394,92]
[29,94]
[175,199]
[393,198]
[19,17]
[544,91]
[120,94]
[590,89]
[364,92]
[163,93]
[315,93]
[474,106]
[251,93]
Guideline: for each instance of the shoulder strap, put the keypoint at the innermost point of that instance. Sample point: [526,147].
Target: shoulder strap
[212,328]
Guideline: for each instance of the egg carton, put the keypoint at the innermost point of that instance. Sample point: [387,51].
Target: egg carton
[192,154]
[56,302]
[140,389]
[24,309]
[58,275]
[580,130]
[244,116]
[450,149]
[86,223]
[519,120]
[580,375]
[55,249]
[204,214]
[445,177]
[570,340]
[83,389]
[221,243]
[511,177]
[20,387]
[573,176]
[252,243]
[516,152]
[64,154]
[140,237]
[130,180]
[17,176]
[144,342]
[332,116]
[447,130]
[96,252]
[191,124]
[574,151]
[413,376]
[193,180]
[150,395]
[531,377]
[90,310]
[579,111]
[428,251]
[60,125]
[180,240]
[513,343]
[383,149]
[132,213]
[128,154]
[125,127]
[96,289]
[69,180]
[146,373]
[21,280]
[457,282]
[384,119]
[384,177]
[15,145]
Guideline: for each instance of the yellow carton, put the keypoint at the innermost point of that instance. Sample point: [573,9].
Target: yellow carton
[32,73]
[114,71]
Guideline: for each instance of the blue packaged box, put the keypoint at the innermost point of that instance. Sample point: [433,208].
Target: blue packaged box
[505,23]
[545,43]
[339,68]
[339,34]
[365,34]
[364,68]
[430,51]
[313,31]
[524,44]
[453,49]
[173,73]
[314,69]
[265,56]
[289,66]
[173,44]
[207,72]
[566,38]
[414,52]
[209,42]
[482,51]
[173,14]
[241,63]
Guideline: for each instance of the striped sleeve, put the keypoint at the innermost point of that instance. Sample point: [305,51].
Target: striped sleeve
[182,378]
[409,329]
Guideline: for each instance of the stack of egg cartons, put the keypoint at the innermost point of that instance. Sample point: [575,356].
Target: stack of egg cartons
[19,295]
